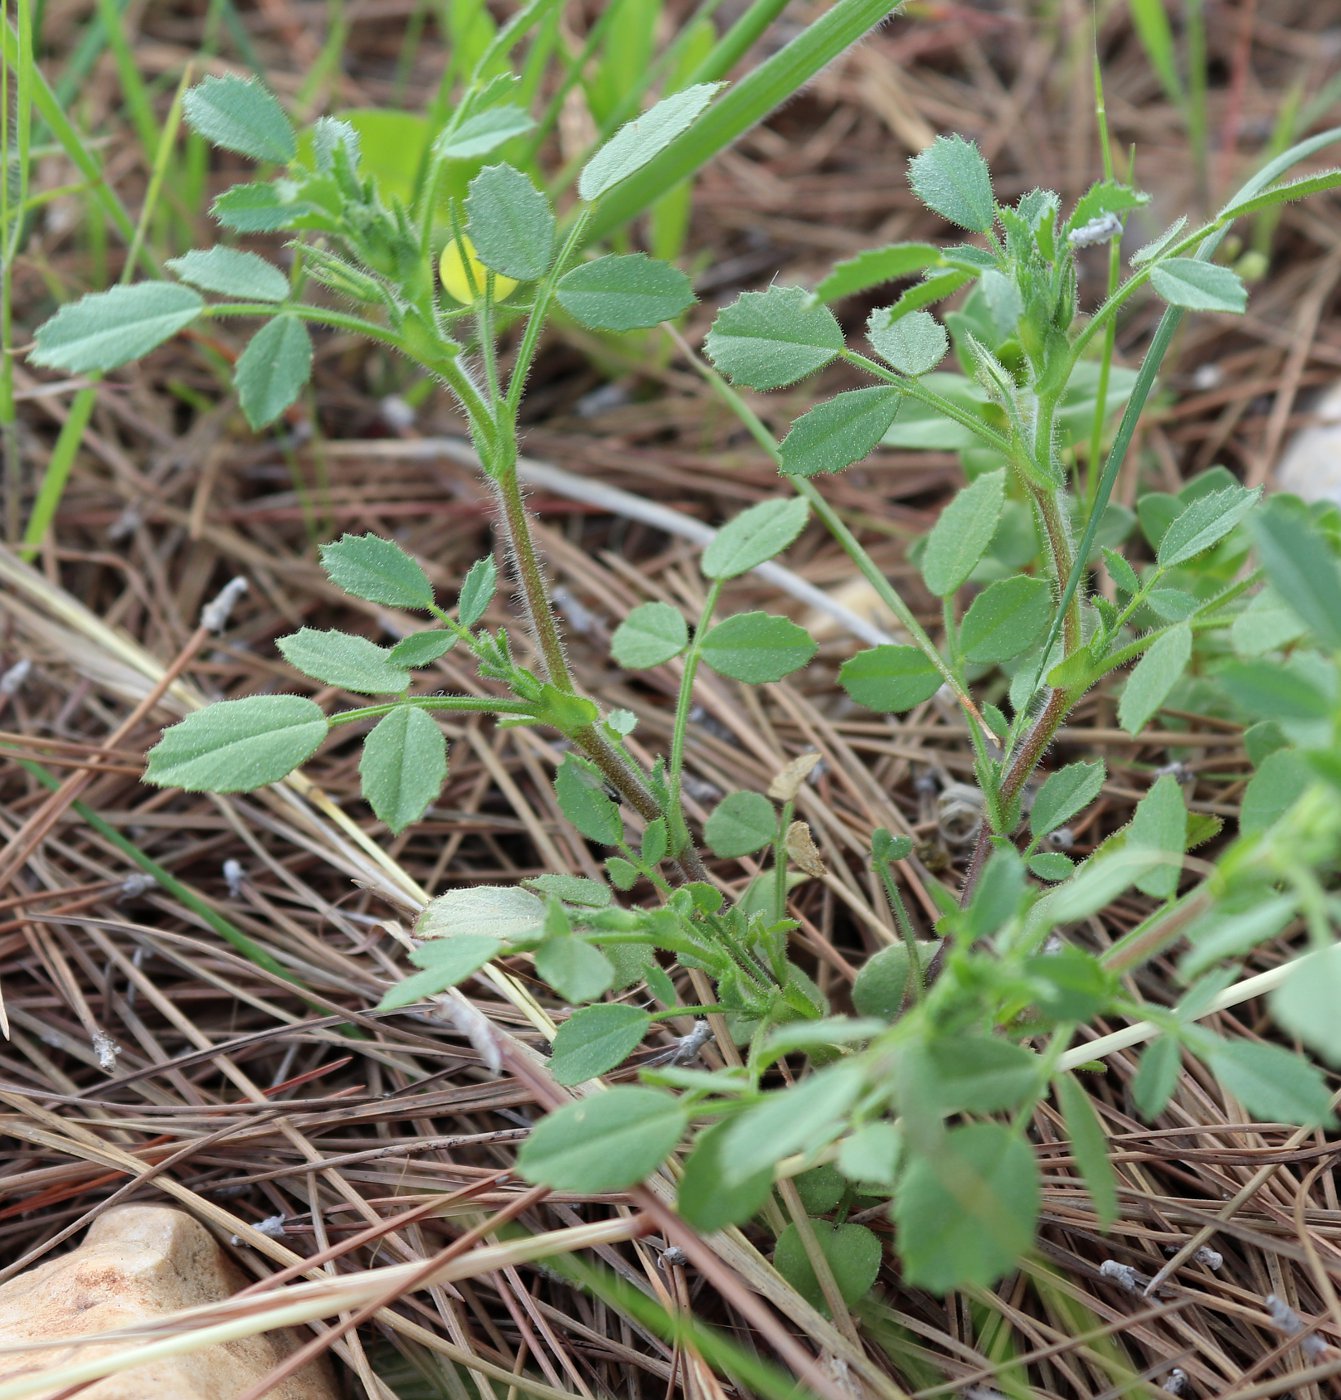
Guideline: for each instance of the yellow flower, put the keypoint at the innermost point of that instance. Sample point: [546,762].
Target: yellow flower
[456,283]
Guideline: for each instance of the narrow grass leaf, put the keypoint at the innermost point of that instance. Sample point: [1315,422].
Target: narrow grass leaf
[403,766]
[766,340]
[651,634]
[241,115]
[755,536]
[369,567]
[510,223]
[833,435]
[756,648]
[961,534]
[231,272]
[625,292]
[237,745]
[273,368]
[607,1142]
[1089,1147]
[645,137]
[1199,286]
[1153,677]
[889,679]
[337,658]
[106,329]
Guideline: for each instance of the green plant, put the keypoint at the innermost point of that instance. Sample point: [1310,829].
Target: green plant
[906,1100]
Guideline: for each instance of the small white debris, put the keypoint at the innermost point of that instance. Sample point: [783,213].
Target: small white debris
[214,616]
[1208,376]
[234,876]
[398,415]
[1101,230]
[125,524]
[15,676]
[1211,1258]
[959,812]
[1123,1275]
[474,1025]
[272,1226]
[579,617]
[673,1258]
[133,886]
[107,1050]
[1062,839]
[1178,771]
[1176,1383]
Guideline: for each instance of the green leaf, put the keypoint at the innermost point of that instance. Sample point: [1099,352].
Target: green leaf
[972,1074]
[241,115]
[968,1211]
[889,678]
[851,1251]
[106,329]
[583,801]
[1121,572]
[1199,286]
[1104,197]
[753,537]
[1301,566]
[740,824]
[1232,928]
[881,985]
[1052,866]
[1156,246]
[477,591]
[625,292]
[421,648]
[404,766]
[596,1039]
[1157,1077]
[960,536]
[755,648]
[506,912]
[638,141]
[352,663]
[1160,824]
[800,1118]
[871,1155]
[1153,677]
[710,1202]
[574,968]
[914,344]
[1006,618]
[1277,785]
[483,132]
[607,1142]
[876,266]
[1064,793]
[1267,624]
[572,889]
[1089,1147]
[651,634]
[510,222]
[766,340]
[231,273]
[951,178]
[257,208]
[1070,985]
[1274,1085]
[446,962]
[366,566]
[1204,522]
[833,435]
[1276,690]
[1306,1003]
[237,745]
[272,369]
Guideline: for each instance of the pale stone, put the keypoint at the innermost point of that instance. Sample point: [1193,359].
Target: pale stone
[137,1263]
[1311,464]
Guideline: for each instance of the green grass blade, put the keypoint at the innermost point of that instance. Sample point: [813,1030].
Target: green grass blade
[742,106]
[1151,22]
